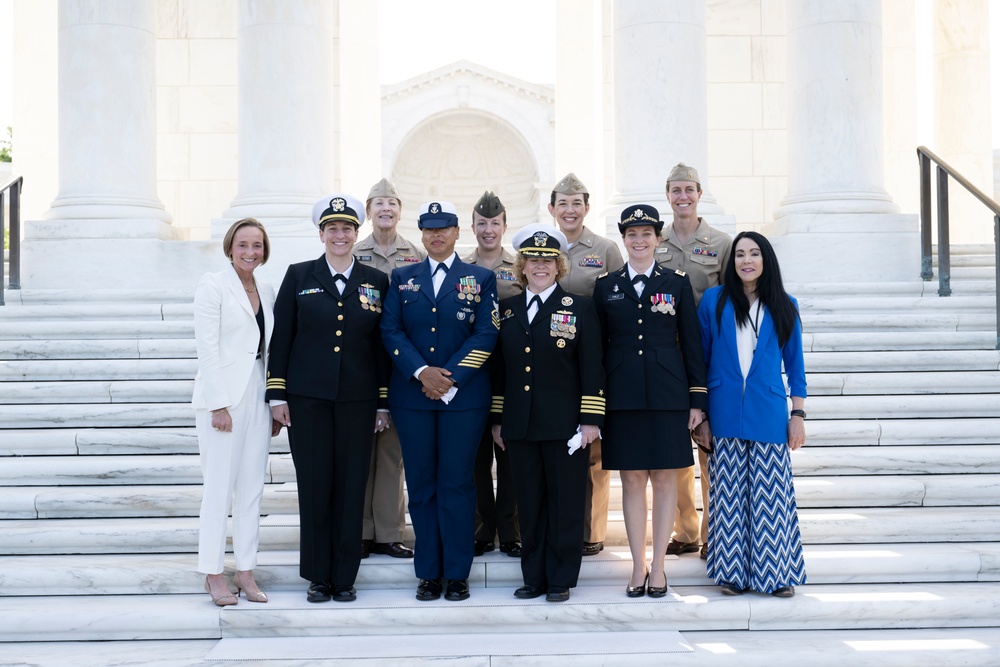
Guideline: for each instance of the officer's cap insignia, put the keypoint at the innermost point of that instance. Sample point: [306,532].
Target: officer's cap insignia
[540,238]
[434,207]
[338,204]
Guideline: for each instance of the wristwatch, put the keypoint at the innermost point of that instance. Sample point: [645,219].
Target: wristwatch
[798,413]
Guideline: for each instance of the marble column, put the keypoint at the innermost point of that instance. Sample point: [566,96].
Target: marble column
[660,101]
[899,37]
[836,204]
[962,120]
[107,119]
[359,108]
[286,62]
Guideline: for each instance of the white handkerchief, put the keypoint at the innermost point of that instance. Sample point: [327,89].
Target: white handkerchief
[576,441]
[450,394]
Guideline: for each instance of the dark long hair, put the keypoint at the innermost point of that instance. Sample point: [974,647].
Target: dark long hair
[770,290]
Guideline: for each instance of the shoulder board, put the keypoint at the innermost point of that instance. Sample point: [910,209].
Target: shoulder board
[679,272]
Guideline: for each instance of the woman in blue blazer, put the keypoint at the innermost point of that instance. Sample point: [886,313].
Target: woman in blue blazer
[749,327]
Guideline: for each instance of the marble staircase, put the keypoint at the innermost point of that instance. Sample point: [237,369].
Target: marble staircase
[898,489]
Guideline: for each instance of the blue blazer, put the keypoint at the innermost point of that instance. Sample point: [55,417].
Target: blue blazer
[760,411]
[457,334]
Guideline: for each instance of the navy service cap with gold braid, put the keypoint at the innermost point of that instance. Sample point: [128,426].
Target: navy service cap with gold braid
[437,215]
[338,207]
[638,215]
[540,240]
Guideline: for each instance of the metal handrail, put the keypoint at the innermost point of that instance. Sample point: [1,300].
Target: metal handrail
[14,187]
[944,170]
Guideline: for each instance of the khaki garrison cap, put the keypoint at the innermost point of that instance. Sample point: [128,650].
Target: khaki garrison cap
[383,189]
[489,205]
[682,172]
[570,185]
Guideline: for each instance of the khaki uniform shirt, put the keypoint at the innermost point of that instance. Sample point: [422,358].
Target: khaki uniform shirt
[702,258]
[507,284]
[404,253]
[590,258]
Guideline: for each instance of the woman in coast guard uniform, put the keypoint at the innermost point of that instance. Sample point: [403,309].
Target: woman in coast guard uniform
[440,327]
[328,363]
[656,388]
[750,330]
[548,388]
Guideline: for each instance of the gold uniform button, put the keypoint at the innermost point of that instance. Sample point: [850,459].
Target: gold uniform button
[527,388]
[340,303]
[434,310]
[340,317]
[433,329]
[640,321]
[640,353]
[640,306]
[336,349]
[432,349]
[527,349]
[527,369]
[340,333]
[640,336]
[396,352]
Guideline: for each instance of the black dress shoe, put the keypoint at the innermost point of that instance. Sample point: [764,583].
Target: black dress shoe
[344,593]
[482,546]
[458,589]
[704,551]
[676,548]
[394,549]
[319,591]
[730,589]
[557,594]
[658,591]
[512,549]
[784,592]
[529,592]
[637,591]
[428,590]
[592,548]
[366,548]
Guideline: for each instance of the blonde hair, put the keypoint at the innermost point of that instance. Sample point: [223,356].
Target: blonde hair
[227,242]
[562,267]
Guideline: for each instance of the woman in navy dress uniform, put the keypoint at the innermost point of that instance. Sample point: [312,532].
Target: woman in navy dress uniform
[751,331]
[656,388]
[548,401]
[440,327]
[327,379]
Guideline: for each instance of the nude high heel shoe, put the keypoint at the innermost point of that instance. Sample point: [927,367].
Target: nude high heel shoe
[223,600]
[245,583]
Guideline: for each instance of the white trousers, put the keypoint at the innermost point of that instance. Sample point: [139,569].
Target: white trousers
[233,466]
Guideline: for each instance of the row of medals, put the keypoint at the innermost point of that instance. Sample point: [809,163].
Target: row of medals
[370,303]
[467,292]
[660,305]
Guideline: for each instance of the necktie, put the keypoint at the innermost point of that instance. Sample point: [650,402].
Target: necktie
[438,278]
[533,306]
[639,282]
[338,278]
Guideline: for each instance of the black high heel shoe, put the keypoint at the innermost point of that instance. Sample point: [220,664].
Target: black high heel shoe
[658,591]
[637,591]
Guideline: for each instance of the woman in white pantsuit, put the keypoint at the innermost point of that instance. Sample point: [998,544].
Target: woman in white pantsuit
[233,318]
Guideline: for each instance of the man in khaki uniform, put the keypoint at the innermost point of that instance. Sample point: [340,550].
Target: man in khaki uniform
[701,251]
[590,256]
[385,509]
[495,518]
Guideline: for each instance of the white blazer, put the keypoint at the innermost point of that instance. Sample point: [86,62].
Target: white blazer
[226,337]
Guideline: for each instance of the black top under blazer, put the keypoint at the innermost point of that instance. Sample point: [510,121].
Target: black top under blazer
[653,359]
[546,385]
[327,345]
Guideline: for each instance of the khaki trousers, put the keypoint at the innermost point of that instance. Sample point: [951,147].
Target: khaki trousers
[687,527]
[384,517]
[595,517]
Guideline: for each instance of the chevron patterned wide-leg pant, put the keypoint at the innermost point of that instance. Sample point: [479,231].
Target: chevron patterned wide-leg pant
[753,525]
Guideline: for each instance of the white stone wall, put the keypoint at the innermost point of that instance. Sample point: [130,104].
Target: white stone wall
[196,95]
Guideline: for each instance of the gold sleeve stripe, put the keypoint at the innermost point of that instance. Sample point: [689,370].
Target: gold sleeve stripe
[698,390]
[596,400]
[276,383]
[383,392]
[497,406]
[592,411]
[474,359]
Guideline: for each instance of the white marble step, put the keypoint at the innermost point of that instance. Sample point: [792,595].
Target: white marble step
[113,391]
[113,415]
[947,406]
[591,608]
[182,440]
[132,574]
[92,348]
[922,382]
[841,341]
[176,499]
[280,531]
[900,360]
[97,369]
[814,304]
[16,330]
[972,647]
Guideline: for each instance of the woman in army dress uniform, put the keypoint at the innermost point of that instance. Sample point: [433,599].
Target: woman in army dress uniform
[328,363]
[548,396]
[656,388]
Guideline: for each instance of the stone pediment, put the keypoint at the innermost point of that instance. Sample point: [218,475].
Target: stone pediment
[469,73]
